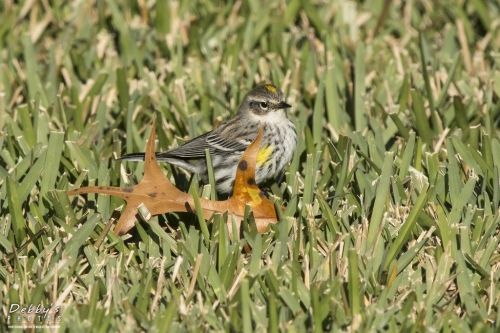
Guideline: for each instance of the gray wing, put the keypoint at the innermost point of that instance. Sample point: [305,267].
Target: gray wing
[195,148]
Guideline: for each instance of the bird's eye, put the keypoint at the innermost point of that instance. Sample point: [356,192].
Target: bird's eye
[263,105]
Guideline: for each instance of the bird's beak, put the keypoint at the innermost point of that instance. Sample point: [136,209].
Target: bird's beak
[283,105]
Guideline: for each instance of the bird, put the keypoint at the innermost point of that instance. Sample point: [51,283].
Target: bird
[264,105]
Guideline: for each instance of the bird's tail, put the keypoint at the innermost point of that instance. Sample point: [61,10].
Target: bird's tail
[191,166]
[132,157]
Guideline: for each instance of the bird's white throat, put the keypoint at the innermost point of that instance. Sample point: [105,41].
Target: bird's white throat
[272,117]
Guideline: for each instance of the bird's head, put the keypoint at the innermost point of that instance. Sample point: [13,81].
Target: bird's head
[264,102]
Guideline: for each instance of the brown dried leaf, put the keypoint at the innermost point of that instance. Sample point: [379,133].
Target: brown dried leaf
[160,196]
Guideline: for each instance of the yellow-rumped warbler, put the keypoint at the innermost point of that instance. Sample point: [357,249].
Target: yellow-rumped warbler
[265,105]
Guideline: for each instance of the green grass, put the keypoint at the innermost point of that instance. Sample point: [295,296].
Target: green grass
[392,198]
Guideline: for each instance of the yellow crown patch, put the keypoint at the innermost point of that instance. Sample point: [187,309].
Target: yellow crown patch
[270,88]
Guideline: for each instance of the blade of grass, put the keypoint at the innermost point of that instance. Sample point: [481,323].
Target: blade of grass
[380,200]
[359,88]
[353,283]
[408,225]
[16,212]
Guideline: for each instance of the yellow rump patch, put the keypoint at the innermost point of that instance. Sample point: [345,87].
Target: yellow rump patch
[264,154]
[270,88]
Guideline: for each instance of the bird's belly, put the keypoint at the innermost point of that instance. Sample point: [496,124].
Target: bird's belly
[276,151]
[274,154]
